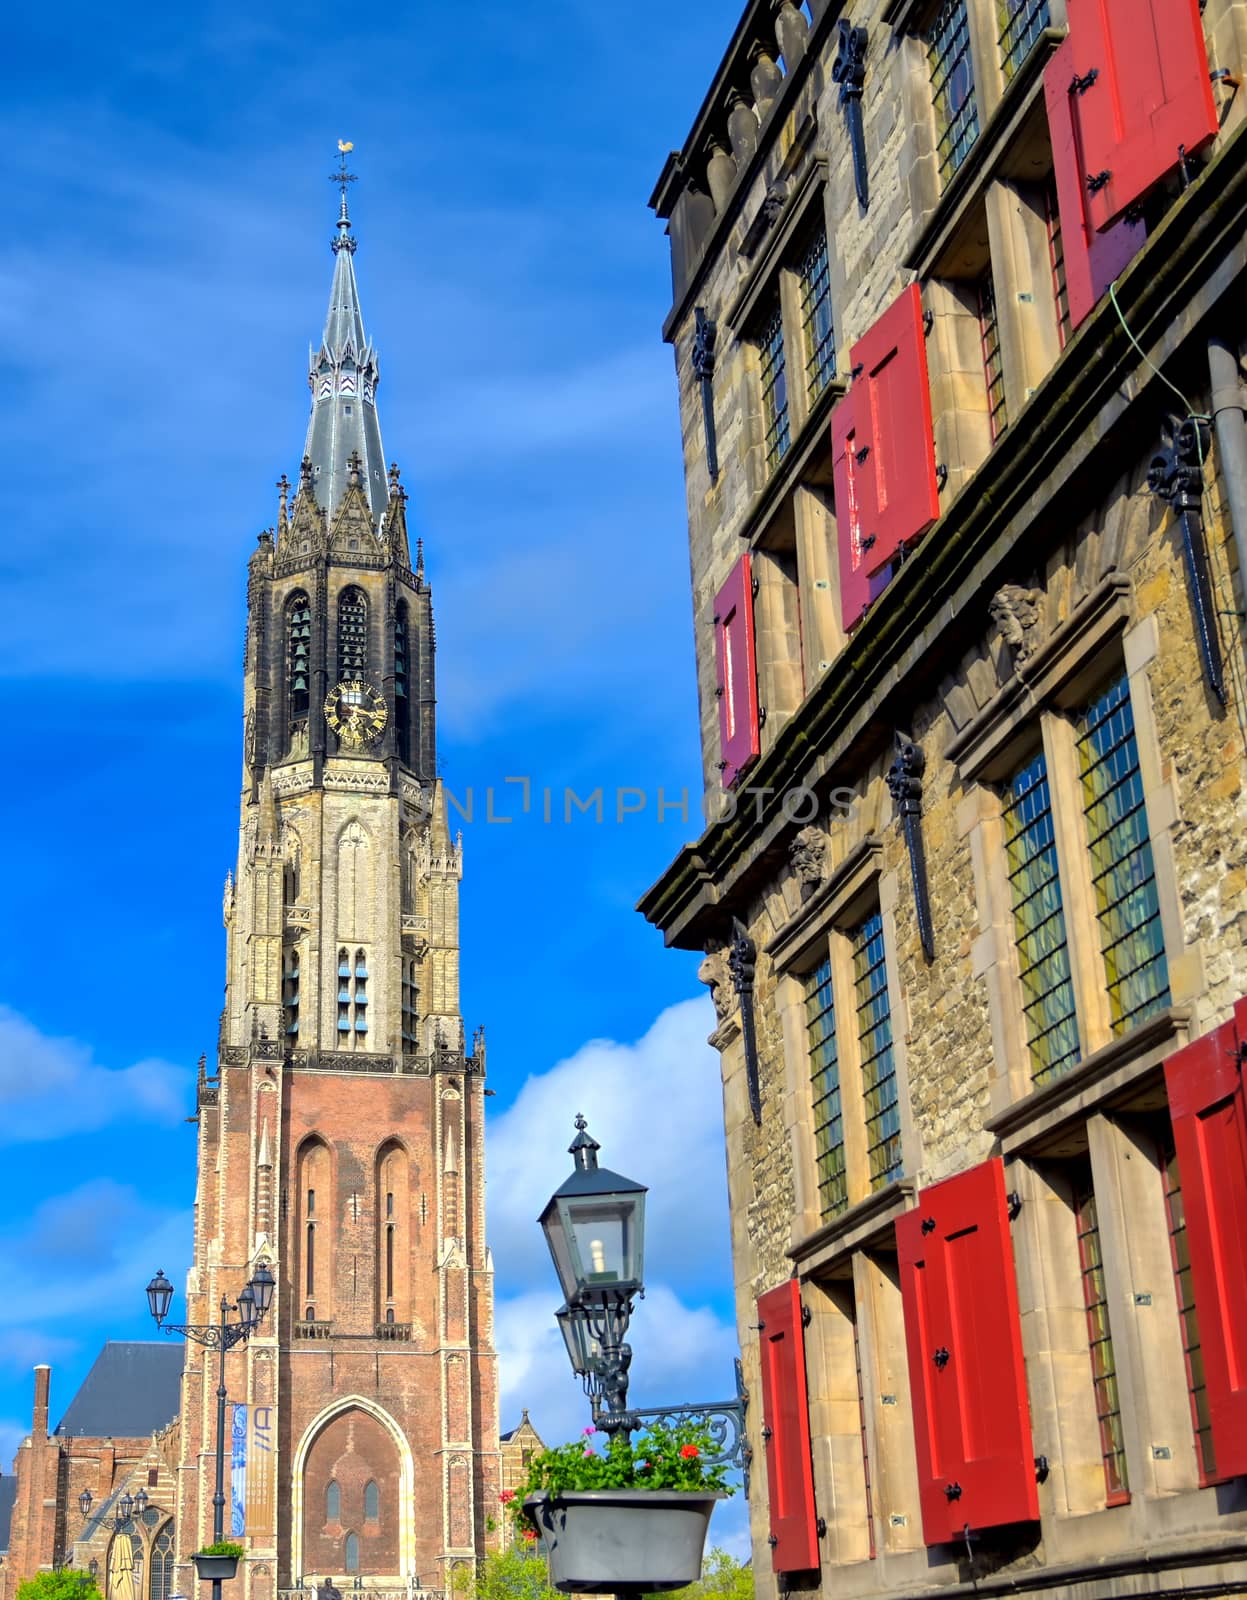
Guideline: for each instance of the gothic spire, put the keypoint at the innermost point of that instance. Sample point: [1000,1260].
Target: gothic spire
[343,375]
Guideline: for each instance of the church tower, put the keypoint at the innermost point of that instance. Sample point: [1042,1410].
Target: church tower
[342,1137]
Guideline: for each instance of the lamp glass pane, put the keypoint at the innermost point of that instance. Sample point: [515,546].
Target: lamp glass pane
[560,1249]
[605,1238]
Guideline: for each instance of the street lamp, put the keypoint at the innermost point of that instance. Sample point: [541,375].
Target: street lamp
[127,1505]
[253,1301]
[594,1224]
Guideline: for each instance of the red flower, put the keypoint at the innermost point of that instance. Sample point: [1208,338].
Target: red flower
[530,1533]
[506,1496]
[688,1451]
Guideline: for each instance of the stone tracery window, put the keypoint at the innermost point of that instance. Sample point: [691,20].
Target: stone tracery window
[298,671]
[402,719]
[160,1584]
[352,634]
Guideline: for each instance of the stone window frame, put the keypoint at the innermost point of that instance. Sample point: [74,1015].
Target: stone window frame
[1123,1147]
[855,889]
[1099,639]
[999,97]
[775,277]
[990,214]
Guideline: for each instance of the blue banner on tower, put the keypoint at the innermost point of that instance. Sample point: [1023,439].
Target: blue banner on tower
[238,1473]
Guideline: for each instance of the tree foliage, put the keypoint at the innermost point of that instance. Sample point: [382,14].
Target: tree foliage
[513,1574]
[722,1578]
[63,1585]
[519,1573]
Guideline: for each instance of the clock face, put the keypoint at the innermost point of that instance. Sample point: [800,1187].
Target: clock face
[356,712]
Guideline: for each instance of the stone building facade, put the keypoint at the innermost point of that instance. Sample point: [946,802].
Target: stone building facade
[519,1445]
[958,319]
[341,1131]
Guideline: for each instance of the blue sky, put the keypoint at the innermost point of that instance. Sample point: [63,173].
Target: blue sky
[167,263]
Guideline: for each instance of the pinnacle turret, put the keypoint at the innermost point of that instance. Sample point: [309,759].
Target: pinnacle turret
[343,374]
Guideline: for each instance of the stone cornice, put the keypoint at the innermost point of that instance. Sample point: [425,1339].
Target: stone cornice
[1089,418]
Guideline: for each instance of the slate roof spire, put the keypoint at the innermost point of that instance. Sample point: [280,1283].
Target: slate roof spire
[343,374]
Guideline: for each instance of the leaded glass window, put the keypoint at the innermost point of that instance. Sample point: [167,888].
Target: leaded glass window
[1039,922]
[333,1502]
[993,364]
[1122,872]
[775,389]
[352,634]
[878,1062]
[1188,1316]
[952,86]
[1100,1341]
[162,1564]
[1056,260]
[828,1119]
[372,1501]
[816,322]
[351,1552]
[1020,22]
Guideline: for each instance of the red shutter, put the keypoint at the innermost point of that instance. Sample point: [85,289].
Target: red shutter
[855,593]
[899,497]
[1208,1104]
[1151,95]
[1092,260]
[736,676]
[967,1378]
[786,1430]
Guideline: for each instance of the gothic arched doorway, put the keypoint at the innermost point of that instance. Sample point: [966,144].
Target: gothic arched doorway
[351,1489]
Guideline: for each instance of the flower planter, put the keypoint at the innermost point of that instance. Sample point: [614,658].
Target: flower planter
[601,1541]
[209,1567]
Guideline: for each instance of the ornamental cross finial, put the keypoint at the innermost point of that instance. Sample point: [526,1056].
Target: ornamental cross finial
[342,177]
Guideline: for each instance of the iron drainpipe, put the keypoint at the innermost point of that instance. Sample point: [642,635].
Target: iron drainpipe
[1231,428]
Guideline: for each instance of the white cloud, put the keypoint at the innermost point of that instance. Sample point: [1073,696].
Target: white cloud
[89,1250]
[656,1108]
[52,1087]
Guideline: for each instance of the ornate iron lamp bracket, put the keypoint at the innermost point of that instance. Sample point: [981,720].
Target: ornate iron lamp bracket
[742,958]
[214,1338]
[849,71]
[1176,475]
[704,338]
[724,1420]
[905,786]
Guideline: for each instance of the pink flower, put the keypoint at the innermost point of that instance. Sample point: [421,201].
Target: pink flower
[588,1450]
[587,1431]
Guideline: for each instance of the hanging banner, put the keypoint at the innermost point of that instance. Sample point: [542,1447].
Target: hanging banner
[262,1476]
[238,1473]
